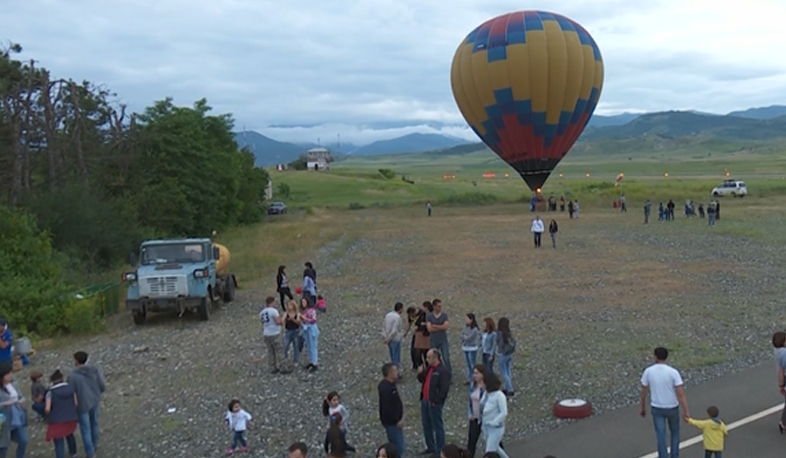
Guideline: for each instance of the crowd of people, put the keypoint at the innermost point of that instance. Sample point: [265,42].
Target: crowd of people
[666,213]
[430,350]
[68,403]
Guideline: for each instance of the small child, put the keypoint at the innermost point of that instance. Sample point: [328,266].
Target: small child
[713,430]
[237,419]
[38,394]
[331,405]
[321,304]
[336,439]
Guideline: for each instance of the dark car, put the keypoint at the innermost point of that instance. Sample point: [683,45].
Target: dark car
[277,208]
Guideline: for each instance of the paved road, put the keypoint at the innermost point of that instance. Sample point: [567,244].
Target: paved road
[624,434]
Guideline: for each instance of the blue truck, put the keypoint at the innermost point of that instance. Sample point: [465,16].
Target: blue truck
[179,275]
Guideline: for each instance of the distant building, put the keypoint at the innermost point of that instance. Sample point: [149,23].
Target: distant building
[318,159]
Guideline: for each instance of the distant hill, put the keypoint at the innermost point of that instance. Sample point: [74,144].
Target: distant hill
[268,152]
[411,143]
[674,124]
[615,120]
[770,112]
[459,150]
[344,148]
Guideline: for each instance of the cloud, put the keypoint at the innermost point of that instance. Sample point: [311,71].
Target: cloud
[349,64]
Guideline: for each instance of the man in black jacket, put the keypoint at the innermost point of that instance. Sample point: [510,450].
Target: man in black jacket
[436,384]
[391,410]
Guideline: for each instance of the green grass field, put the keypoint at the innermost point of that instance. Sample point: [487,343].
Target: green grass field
[693,168]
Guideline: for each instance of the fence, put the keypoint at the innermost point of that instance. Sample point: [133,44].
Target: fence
[106,296]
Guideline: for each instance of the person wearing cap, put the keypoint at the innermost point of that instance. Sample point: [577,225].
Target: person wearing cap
[6,340]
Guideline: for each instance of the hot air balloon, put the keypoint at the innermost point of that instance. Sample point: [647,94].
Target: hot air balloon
[527,83]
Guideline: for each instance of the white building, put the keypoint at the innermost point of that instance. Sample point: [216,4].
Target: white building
[318,159]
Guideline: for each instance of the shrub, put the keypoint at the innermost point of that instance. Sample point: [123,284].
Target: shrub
[356,206]
[387,173]
[299,164]
[470,198]
[80,316]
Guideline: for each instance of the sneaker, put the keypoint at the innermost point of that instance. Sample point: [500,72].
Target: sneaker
[275,371]
[230,451]
[244,449]
[313,368]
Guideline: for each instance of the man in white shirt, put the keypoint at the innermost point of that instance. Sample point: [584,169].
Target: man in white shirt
[271,332]
[537,229]
[664,384]
[392,333]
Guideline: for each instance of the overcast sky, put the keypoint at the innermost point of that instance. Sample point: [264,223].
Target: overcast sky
[352,63]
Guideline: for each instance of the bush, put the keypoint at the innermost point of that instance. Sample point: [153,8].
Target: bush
[80,316]
[387,173]
[470,198]
[356,206]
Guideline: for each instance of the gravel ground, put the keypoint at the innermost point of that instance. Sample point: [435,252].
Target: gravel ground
[588,335]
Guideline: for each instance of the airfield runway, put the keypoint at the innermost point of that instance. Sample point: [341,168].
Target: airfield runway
[748,401]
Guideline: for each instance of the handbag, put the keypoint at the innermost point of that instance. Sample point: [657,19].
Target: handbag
[18,416]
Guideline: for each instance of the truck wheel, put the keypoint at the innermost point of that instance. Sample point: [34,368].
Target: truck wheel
[139,317]
[204,309]
[229,291]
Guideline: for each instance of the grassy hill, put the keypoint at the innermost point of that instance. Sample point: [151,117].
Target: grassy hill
[674,124]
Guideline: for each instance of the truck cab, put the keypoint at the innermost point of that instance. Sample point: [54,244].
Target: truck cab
[176,275]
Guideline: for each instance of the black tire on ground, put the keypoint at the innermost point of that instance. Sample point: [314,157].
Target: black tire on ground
[140,317]
[572,408]
[204,309]
[229,291]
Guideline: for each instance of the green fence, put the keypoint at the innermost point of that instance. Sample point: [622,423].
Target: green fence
[106,295]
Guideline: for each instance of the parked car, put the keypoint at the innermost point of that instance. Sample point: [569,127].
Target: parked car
[277,208]
[730,187]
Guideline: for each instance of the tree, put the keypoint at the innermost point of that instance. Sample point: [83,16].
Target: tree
[99,178]
[32,274]
[299,164]
[284,190]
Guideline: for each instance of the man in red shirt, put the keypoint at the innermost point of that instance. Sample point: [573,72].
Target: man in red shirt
[436,385]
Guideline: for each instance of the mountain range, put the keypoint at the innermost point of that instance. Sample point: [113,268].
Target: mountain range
[752,124]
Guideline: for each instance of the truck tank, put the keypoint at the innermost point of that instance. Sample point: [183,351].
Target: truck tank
[222,265]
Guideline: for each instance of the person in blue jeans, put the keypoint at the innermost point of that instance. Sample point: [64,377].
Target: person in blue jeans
[14,428]
[89,385]
[506,345]
[664,385]
[391,409]
[435,377]
[393,333]
[437,324]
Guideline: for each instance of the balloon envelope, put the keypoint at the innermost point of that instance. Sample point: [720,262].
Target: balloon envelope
[527,83]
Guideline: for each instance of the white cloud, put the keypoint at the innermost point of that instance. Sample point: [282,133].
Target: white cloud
[351,63]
